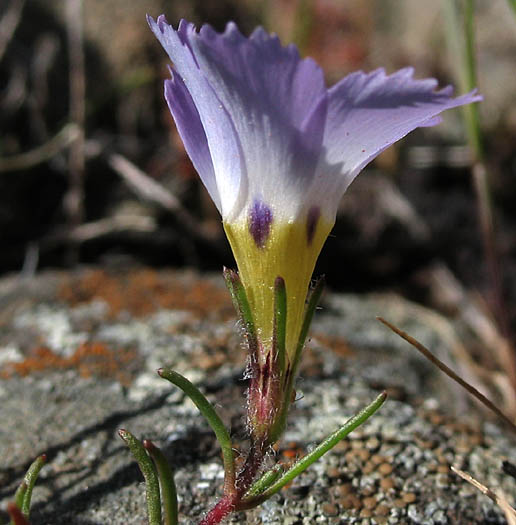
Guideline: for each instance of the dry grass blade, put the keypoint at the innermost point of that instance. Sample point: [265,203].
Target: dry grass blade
[73,202]
[145,185]
[96,229]
[26,160]
[9,23]
[449,372]
[509,511]
[153,191]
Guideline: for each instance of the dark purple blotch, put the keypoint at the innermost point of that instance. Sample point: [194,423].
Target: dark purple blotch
[311,222]
[260,220]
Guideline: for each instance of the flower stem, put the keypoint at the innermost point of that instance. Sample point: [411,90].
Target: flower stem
[149,473]
[231,502]
[216,424]
[221,510]
[166,479]
[302,464]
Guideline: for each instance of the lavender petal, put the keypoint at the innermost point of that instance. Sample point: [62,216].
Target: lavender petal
[221,138]
[369,112]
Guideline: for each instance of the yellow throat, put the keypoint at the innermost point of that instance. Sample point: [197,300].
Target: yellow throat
[289,251]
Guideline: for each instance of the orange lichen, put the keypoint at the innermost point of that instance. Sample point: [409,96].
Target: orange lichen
[291,451]
[336,344]
[93,359]
[143,291]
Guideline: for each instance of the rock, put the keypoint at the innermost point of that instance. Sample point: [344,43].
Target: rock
[79,354]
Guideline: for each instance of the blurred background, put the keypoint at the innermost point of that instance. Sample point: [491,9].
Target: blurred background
[92,170]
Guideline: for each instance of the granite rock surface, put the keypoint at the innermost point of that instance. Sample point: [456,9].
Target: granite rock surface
[78,359]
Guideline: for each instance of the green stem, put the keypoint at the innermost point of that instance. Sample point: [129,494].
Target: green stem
[512,5]
[216,424]
[166,479]
[470,75]
[149,473]
[463,51]
[302,464]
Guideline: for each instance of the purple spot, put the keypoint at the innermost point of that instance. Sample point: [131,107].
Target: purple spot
[311,222]
[260,219]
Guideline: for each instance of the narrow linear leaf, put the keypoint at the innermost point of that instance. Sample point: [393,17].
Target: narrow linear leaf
[449,372]
[265,481]
[166,479]
[23,495]
[313,300]
[30,480]
[241,304]
[149,473]
[20,494]
[302,464]
[216,424]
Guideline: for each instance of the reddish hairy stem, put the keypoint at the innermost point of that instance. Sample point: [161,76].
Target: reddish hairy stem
[222,509]
[228,503]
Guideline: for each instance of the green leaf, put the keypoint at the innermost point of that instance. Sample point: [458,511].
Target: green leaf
[313,300]
[302,464]
[241,304]
[216,424]
[166,479]
[23,495]
[149,473]
[265,481]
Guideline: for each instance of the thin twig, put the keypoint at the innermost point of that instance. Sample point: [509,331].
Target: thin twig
[95,229]
[9,23]
[472,310]
[155,192]
[499,500]
[145,185]
[464,53]
[42,153]
[74,199]
[449,372]
[42,61]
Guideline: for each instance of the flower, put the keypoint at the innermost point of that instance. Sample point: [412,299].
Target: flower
[276,149]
